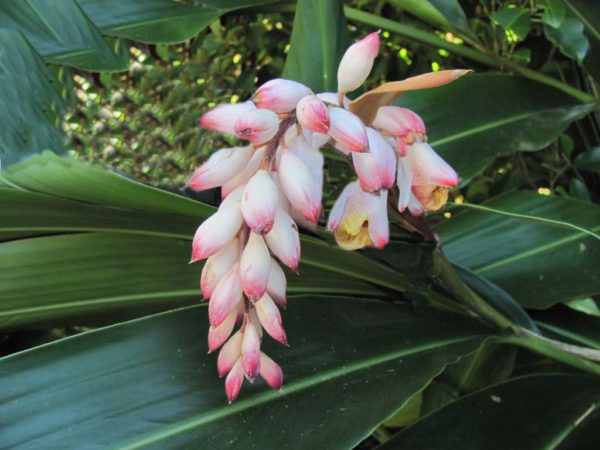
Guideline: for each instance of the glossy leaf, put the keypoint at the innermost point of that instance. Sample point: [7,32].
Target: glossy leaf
[319,39]
[154,379]
[554,12]
[533,412]
[516,19]
[443,13]
[570,38]
[61,33]
[152,21]
[589,160]
[31,105]
[479,117]
[589,14]
[538,264]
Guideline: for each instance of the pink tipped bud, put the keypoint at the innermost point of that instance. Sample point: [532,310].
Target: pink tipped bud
[218,335]
[311,156]
[277,286]
[366,168]
[216,232]
[229,354]
[280,95]
[284,240]
[379,227]
[223,117]
[429,168]
[299,185]
[257,126]
[384,157]
[271,372]
[270,318]
[251,351]
[260,202]
[357,62]
[225,297]
[337,213]
[233,382]
[400,122]
[217,266]
[255,267]
[220,167]
[244,175]
[348,130]
[312,114]
[404,180]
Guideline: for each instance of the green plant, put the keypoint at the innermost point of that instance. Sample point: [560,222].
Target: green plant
[379,340]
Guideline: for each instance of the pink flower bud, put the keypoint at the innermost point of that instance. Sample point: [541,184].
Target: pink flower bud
[299,185]
[223,117]
[226,296]
[366,168]
[404,180]
[244,175]
[271,372]
[251,351]
[229,354]
[429,168]
[233,382]
[406,125]
[216,232]
[270,318]
[280,95]
[379,227]
[255,267]
[348,130]
[284,240]
[260,202]
[385,158]
[218,265]
[257,126]
[311,156]
[220,167]
[357,62]
[218,335]
[277,286]
[312,114]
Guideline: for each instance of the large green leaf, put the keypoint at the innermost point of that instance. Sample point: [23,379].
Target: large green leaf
[133,249]
[568,325]
[535,412]
[589,14]
[351,364]
[153,21]
[538,264]
[30,105]
[61,33]
[479,117]
[319,39]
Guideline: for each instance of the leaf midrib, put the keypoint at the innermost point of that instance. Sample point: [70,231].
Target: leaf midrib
[291,388]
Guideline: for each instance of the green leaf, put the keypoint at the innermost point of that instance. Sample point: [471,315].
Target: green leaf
[585,305]
[554,12]
[31,106]
[319,39]
[442,13]
[568,325]
[589,14]
[61,33]
[479,117]
[151,21]
[516,19]
[154,379]
[569,38]
[589,160]
[533,412]
[538,264]
[498,298]
[579,190]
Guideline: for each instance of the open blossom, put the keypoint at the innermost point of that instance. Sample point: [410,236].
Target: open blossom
[275,183]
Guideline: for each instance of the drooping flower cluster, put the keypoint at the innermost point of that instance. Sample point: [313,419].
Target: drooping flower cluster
[275,183]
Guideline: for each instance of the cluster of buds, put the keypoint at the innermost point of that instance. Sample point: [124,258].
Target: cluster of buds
[274,184]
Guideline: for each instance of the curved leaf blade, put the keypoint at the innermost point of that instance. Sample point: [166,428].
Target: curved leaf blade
[516,414]
[539,265]
[153,377]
